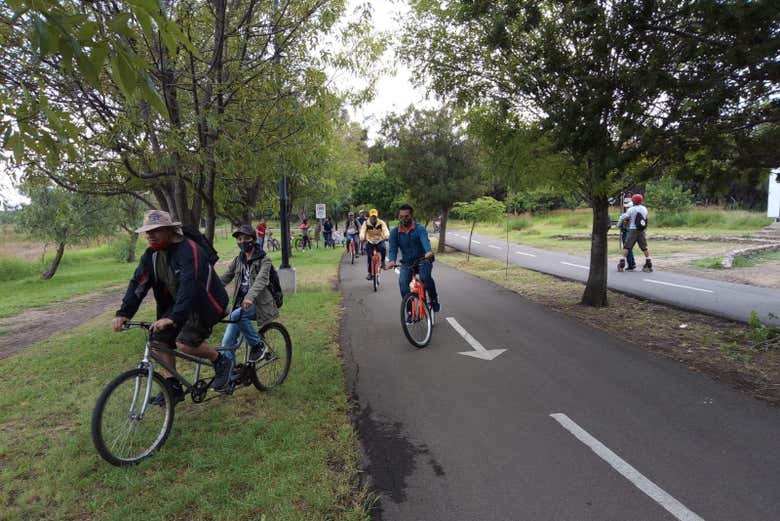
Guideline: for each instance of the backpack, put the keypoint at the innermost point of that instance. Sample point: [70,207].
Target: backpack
[275,287]
[640,221]
[193,233]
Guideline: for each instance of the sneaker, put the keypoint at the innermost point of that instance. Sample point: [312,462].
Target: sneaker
[631,268]
[159,398]
[257,352]
[369,277]
[222,369]
[648,267]
[621,265]
[435,306]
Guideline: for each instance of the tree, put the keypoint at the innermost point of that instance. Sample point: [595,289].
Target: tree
[483,209]
[618,86]
[382,191]
[434,159]
[64,217]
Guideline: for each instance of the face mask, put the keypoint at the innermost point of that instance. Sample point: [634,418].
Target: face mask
[406,221]
[160,245]
[373,220]
[246,247]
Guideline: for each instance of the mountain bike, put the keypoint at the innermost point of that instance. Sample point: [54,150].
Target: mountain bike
[134,414]
[271,242]
[302,242]
[417,317]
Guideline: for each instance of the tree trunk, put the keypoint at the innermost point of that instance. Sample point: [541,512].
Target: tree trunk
[131,245]
[443,230]
[596,289]
[55,263]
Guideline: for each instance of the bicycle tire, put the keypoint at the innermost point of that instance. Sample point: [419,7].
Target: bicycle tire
[374,280]
[276,373]
[412,336]
[105,450]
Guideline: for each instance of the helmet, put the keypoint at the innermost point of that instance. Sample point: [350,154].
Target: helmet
[373,212]
[637,199]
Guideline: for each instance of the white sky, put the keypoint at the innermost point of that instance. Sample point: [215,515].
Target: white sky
[394,91]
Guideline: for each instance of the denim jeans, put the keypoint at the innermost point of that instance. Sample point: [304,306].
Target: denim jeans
[244,326]
[630,257]
[380,247]
[260,242]
[353,237]
[426,269]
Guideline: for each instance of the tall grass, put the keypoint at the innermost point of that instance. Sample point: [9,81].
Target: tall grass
[710,218]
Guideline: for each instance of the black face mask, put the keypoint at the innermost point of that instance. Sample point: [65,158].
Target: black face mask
[406,221]
[246,247]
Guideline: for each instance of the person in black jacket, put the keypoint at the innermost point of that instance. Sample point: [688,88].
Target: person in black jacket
[190,297]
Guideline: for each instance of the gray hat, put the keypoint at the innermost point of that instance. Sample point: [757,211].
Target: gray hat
[154,219]
[244,229]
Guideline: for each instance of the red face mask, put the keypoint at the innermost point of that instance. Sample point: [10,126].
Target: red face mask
[160,245]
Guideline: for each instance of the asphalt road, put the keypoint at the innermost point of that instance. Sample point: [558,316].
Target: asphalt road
[724,299]
[453,437]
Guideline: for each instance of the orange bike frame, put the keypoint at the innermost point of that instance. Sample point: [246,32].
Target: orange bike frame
[419,288]
[376,262]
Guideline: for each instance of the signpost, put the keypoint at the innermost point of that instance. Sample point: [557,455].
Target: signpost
[320,210]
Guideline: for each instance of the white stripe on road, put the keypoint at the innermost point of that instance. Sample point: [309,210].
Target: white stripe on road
[476,242]
[494,247]
[655,492]
[678,286]
[575,265]
[524,253]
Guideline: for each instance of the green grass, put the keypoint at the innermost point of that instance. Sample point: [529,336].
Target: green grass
[289,454]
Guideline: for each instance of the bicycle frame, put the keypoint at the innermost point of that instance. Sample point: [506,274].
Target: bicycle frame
[376,263]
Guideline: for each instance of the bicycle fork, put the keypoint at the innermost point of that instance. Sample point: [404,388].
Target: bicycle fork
[147,365]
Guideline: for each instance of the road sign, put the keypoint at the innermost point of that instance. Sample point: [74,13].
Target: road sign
[773,206]
[320,209]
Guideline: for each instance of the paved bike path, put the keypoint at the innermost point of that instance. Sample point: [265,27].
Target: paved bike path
[724,299]
[452,437]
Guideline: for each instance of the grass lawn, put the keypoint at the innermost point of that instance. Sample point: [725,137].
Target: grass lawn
[719,347]
[289,454]
[538,230]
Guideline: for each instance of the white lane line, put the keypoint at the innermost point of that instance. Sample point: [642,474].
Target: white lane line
[476,242]
[678,286]
[655,492]
[575,265]
[494,247]
[524,253]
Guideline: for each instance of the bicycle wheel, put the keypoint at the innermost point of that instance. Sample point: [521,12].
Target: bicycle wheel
[297,244]
[352,254]
[375,279]
[121,434]
[272,369]
[418,331]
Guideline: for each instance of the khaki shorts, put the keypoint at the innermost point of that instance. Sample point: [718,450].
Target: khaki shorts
[193,333]
[635,237]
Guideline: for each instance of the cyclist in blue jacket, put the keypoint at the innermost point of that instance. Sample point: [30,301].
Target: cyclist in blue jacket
[412,240]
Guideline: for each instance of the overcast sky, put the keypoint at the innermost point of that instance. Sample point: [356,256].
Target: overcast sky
[394,92]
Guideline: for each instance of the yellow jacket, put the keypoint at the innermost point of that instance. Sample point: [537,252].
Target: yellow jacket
[374,233]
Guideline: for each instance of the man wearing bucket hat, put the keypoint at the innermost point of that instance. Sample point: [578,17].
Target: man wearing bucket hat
[252,300]
[190,297]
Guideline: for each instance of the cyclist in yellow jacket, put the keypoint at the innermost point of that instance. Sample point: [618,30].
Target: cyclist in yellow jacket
[375,232]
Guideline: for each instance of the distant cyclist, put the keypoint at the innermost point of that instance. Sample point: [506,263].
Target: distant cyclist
[374,232]
[362,218]
[413,242]
[352,231]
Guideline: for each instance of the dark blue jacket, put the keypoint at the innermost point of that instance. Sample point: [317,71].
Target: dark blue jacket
[199,289]
[413,244]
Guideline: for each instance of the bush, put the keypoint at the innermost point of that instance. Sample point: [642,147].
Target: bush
[519,223]
[540,200]
[666,195]
[14,269]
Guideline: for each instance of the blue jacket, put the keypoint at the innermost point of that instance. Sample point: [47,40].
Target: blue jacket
[413,244]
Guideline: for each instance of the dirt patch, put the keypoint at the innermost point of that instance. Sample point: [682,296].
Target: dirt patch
[720,348]
[38,324]
[766,275]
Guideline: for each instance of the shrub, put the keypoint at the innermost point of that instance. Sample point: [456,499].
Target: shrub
[14,269]
[666,195]
[540,200]
[519,223]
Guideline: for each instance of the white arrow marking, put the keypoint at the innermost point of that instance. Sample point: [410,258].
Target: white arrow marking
[678,285]
[655,492]
[524,253]
[479,350]
[575,265]
[494,247]
[476,242]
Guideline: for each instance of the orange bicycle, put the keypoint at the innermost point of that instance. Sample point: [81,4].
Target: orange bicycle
[351,247]
[376,268]
[417,317]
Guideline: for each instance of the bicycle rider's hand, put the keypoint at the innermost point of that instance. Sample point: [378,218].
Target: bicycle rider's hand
[247,304]
[118,322]
[161,324]
[429,255]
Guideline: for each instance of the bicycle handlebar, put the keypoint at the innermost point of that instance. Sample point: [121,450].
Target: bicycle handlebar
[129,324]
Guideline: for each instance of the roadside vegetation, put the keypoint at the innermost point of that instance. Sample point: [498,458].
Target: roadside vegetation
[288,454]
[733,352]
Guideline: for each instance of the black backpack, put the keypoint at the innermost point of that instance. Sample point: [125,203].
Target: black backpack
[193,233]
[275,287]
[640,221]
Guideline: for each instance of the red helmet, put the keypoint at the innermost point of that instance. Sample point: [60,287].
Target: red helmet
[637,199]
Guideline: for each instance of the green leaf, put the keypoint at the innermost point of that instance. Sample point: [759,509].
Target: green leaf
[87,32]
[18,147]
[144,20]
[66,51]
[153,97]
[150,6]
[88,69]
[168,37]
[16,5]
[42,37]
[123,74]
[98,57]
[177,32]
[119,24]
